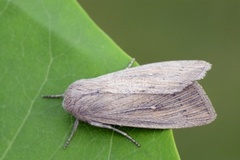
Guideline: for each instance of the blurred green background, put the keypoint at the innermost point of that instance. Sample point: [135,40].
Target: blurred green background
[153,31]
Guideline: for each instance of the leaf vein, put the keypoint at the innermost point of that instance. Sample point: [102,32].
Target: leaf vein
[35,97]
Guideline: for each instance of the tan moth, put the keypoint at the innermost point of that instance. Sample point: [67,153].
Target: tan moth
[164,95]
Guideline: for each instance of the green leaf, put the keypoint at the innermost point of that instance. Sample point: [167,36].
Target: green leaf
[45,46]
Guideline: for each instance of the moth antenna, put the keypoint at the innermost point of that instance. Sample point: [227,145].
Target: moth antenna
[72,133]
[131,63]
[116,130]
[53,96]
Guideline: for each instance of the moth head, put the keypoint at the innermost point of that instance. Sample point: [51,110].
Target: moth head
[76,96]
[72,95]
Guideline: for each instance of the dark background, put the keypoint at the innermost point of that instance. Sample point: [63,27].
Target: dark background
[153,31]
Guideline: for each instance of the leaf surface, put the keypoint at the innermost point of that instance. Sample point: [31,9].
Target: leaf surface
[44,46]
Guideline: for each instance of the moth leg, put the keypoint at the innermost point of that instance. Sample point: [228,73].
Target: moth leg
[72,133]
[53,96]
[116,130]
[131,63]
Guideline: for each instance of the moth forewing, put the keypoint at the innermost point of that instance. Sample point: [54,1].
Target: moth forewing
[155,78]
[188,108]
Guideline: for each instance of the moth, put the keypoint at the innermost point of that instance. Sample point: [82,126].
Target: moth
[164,95]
